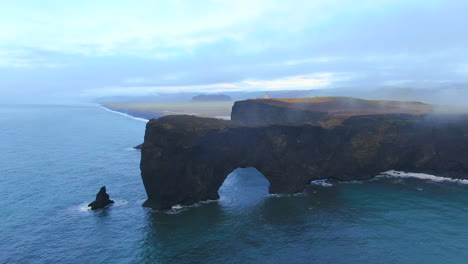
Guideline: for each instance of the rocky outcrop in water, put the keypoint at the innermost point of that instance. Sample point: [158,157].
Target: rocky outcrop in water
[102,200]
[185,159]
[138,146]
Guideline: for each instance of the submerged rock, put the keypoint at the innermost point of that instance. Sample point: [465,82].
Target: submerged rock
[102,200]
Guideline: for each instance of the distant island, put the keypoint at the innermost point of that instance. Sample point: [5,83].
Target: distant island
[211,97]
[185,159]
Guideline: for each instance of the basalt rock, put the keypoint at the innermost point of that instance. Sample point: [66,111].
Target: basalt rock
[138,147]
[102,200]
[185,159]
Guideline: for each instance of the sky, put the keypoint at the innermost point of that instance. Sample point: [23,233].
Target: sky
[79,50]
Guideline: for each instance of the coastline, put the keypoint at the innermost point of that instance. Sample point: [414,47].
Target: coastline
[140,116]
[147,111]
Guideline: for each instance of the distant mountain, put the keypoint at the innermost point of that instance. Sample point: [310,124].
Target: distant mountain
[162,97]
[446,94]
[211,97]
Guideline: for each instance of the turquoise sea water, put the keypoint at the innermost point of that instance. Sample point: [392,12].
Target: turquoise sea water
[54,159]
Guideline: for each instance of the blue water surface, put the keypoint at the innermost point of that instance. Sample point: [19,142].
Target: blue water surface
[54,159]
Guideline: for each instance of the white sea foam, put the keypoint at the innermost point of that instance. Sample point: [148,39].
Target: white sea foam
[178,208]
[223,117]
[83,207]
[324,183]
[120,203]
[132,149]
[422,176]
[140,202]
[124,114]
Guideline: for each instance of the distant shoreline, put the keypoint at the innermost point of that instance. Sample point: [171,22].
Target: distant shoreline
[142,115]
[147,111]
[123,112]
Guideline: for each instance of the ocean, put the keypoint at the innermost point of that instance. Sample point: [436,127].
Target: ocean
[54,159]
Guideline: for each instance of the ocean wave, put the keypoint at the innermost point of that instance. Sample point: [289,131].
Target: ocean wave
[324,183]
[422,176]
[124,114]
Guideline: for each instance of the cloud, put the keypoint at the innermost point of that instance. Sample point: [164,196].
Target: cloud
[120,27]
[20,58]
[125,47]
[294,82]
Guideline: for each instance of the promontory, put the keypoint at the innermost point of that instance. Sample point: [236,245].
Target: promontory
[185,159]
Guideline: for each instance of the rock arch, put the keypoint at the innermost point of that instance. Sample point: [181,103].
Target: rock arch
[185,159]
[244,187]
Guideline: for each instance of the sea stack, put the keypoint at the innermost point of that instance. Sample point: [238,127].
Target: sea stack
[102,200]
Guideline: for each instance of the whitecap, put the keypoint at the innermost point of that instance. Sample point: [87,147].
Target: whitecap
[124,114]
[422,176]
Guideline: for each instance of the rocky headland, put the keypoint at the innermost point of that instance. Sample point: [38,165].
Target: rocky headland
[185,159]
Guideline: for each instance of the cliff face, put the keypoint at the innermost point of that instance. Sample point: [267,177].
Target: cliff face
[273,111]
[185,159]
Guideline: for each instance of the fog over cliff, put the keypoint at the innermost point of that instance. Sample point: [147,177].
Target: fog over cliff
[80,51]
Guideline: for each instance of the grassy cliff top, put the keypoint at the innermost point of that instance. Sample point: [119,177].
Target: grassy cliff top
[351,106]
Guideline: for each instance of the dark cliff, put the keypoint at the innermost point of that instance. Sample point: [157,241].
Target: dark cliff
[185,159]
[273,111]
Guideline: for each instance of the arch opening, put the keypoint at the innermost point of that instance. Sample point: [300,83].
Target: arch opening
[243,187]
